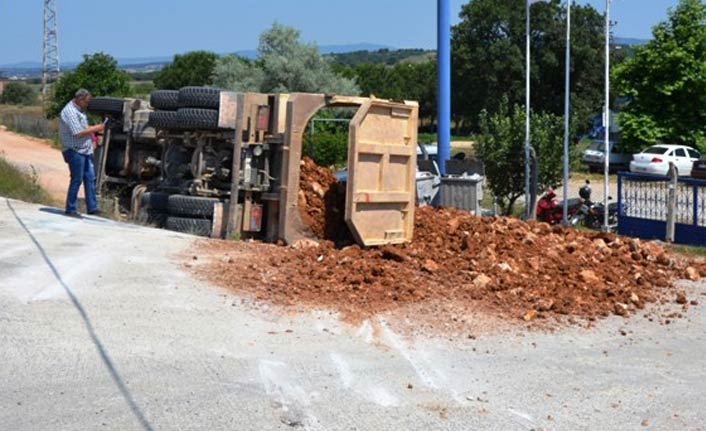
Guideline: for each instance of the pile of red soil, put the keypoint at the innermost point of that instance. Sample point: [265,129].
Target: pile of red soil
[498,265]
[322,203]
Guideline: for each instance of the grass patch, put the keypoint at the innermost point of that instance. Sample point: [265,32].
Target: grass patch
[688,250]
[16,184]
[29,120]
[428,138]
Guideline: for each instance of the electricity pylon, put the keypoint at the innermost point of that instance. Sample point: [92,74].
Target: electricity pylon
[50,49]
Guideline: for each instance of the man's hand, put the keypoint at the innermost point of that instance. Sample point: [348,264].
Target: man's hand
[88,131]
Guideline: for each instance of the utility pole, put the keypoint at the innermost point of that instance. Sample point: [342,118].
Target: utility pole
[606,119]
[567,112]
[50,47]
[444,83]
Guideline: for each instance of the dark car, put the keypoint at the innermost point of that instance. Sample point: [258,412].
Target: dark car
[698,170]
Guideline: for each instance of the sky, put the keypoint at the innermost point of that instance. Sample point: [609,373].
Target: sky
[156,28]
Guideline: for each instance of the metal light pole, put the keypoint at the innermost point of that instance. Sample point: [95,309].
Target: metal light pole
[567,107]
[444,83]
[528,210]
[606,118]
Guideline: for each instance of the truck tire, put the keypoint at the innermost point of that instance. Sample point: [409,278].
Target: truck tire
[106,106]
[154,201]
[152,218]
[191,206]
[167,100]
[193,226]
[167,120]
[198,119]
[199,97]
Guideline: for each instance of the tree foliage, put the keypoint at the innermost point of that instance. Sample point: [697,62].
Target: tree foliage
[666,82]
[193,68]
[381,56]
[403,81]
[501,147]
[98,73]
[18,93]
[285,64]
[488,58]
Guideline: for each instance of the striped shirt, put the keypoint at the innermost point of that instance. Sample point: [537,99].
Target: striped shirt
[73,121]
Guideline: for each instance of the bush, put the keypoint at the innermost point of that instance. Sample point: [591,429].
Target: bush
[190,69]
[501,147]
[98,73]
[29,120]
[327,148]
[18,93]
[143,88]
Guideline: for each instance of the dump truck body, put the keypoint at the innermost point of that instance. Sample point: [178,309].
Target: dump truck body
[227,164]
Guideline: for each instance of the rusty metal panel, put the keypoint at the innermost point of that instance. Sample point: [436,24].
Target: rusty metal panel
[228,112]
[382,161]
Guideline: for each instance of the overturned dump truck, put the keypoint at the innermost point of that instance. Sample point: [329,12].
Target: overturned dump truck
[226,165]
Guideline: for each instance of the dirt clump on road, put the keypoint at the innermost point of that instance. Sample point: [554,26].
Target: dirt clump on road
[503,266]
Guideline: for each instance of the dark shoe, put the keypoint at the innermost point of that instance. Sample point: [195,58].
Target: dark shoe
[95,213]
[72,214]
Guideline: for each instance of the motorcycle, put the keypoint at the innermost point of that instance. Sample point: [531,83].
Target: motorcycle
[550,211]
[591,214]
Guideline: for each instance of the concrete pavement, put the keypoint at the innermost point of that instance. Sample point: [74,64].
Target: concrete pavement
[100,328]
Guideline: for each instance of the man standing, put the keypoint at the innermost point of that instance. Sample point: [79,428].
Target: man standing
[75,135]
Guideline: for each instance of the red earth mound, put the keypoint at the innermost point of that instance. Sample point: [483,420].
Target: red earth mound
[501,265]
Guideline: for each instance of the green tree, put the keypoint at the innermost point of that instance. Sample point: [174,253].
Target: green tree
[666,82]
[488,58]
[285,64]
[403,81]
[18,93]
[501,147]
[193,68]
[98,73]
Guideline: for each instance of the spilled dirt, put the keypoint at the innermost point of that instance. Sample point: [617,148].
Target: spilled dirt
[456,264]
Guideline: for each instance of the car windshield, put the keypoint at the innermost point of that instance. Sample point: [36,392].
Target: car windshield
[655,150]
[597,146]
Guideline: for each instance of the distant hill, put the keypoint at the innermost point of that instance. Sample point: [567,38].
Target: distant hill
[35,66]
[630,41]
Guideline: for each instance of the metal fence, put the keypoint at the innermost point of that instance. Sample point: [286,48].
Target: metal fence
[643,202]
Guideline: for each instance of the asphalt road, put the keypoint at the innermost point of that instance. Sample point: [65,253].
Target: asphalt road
[100,328]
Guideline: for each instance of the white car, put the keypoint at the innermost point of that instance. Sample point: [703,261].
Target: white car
[655,160]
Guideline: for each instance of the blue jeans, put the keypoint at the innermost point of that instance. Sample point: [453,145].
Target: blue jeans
[81,168]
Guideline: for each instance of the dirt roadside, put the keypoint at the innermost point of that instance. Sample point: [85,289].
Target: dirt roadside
[27,153]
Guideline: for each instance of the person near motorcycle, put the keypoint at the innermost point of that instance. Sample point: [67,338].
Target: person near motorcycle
[546,208]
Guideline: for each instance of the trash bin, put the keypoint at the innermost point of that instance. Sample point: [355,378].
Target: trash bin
[427,189]
[462,192]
